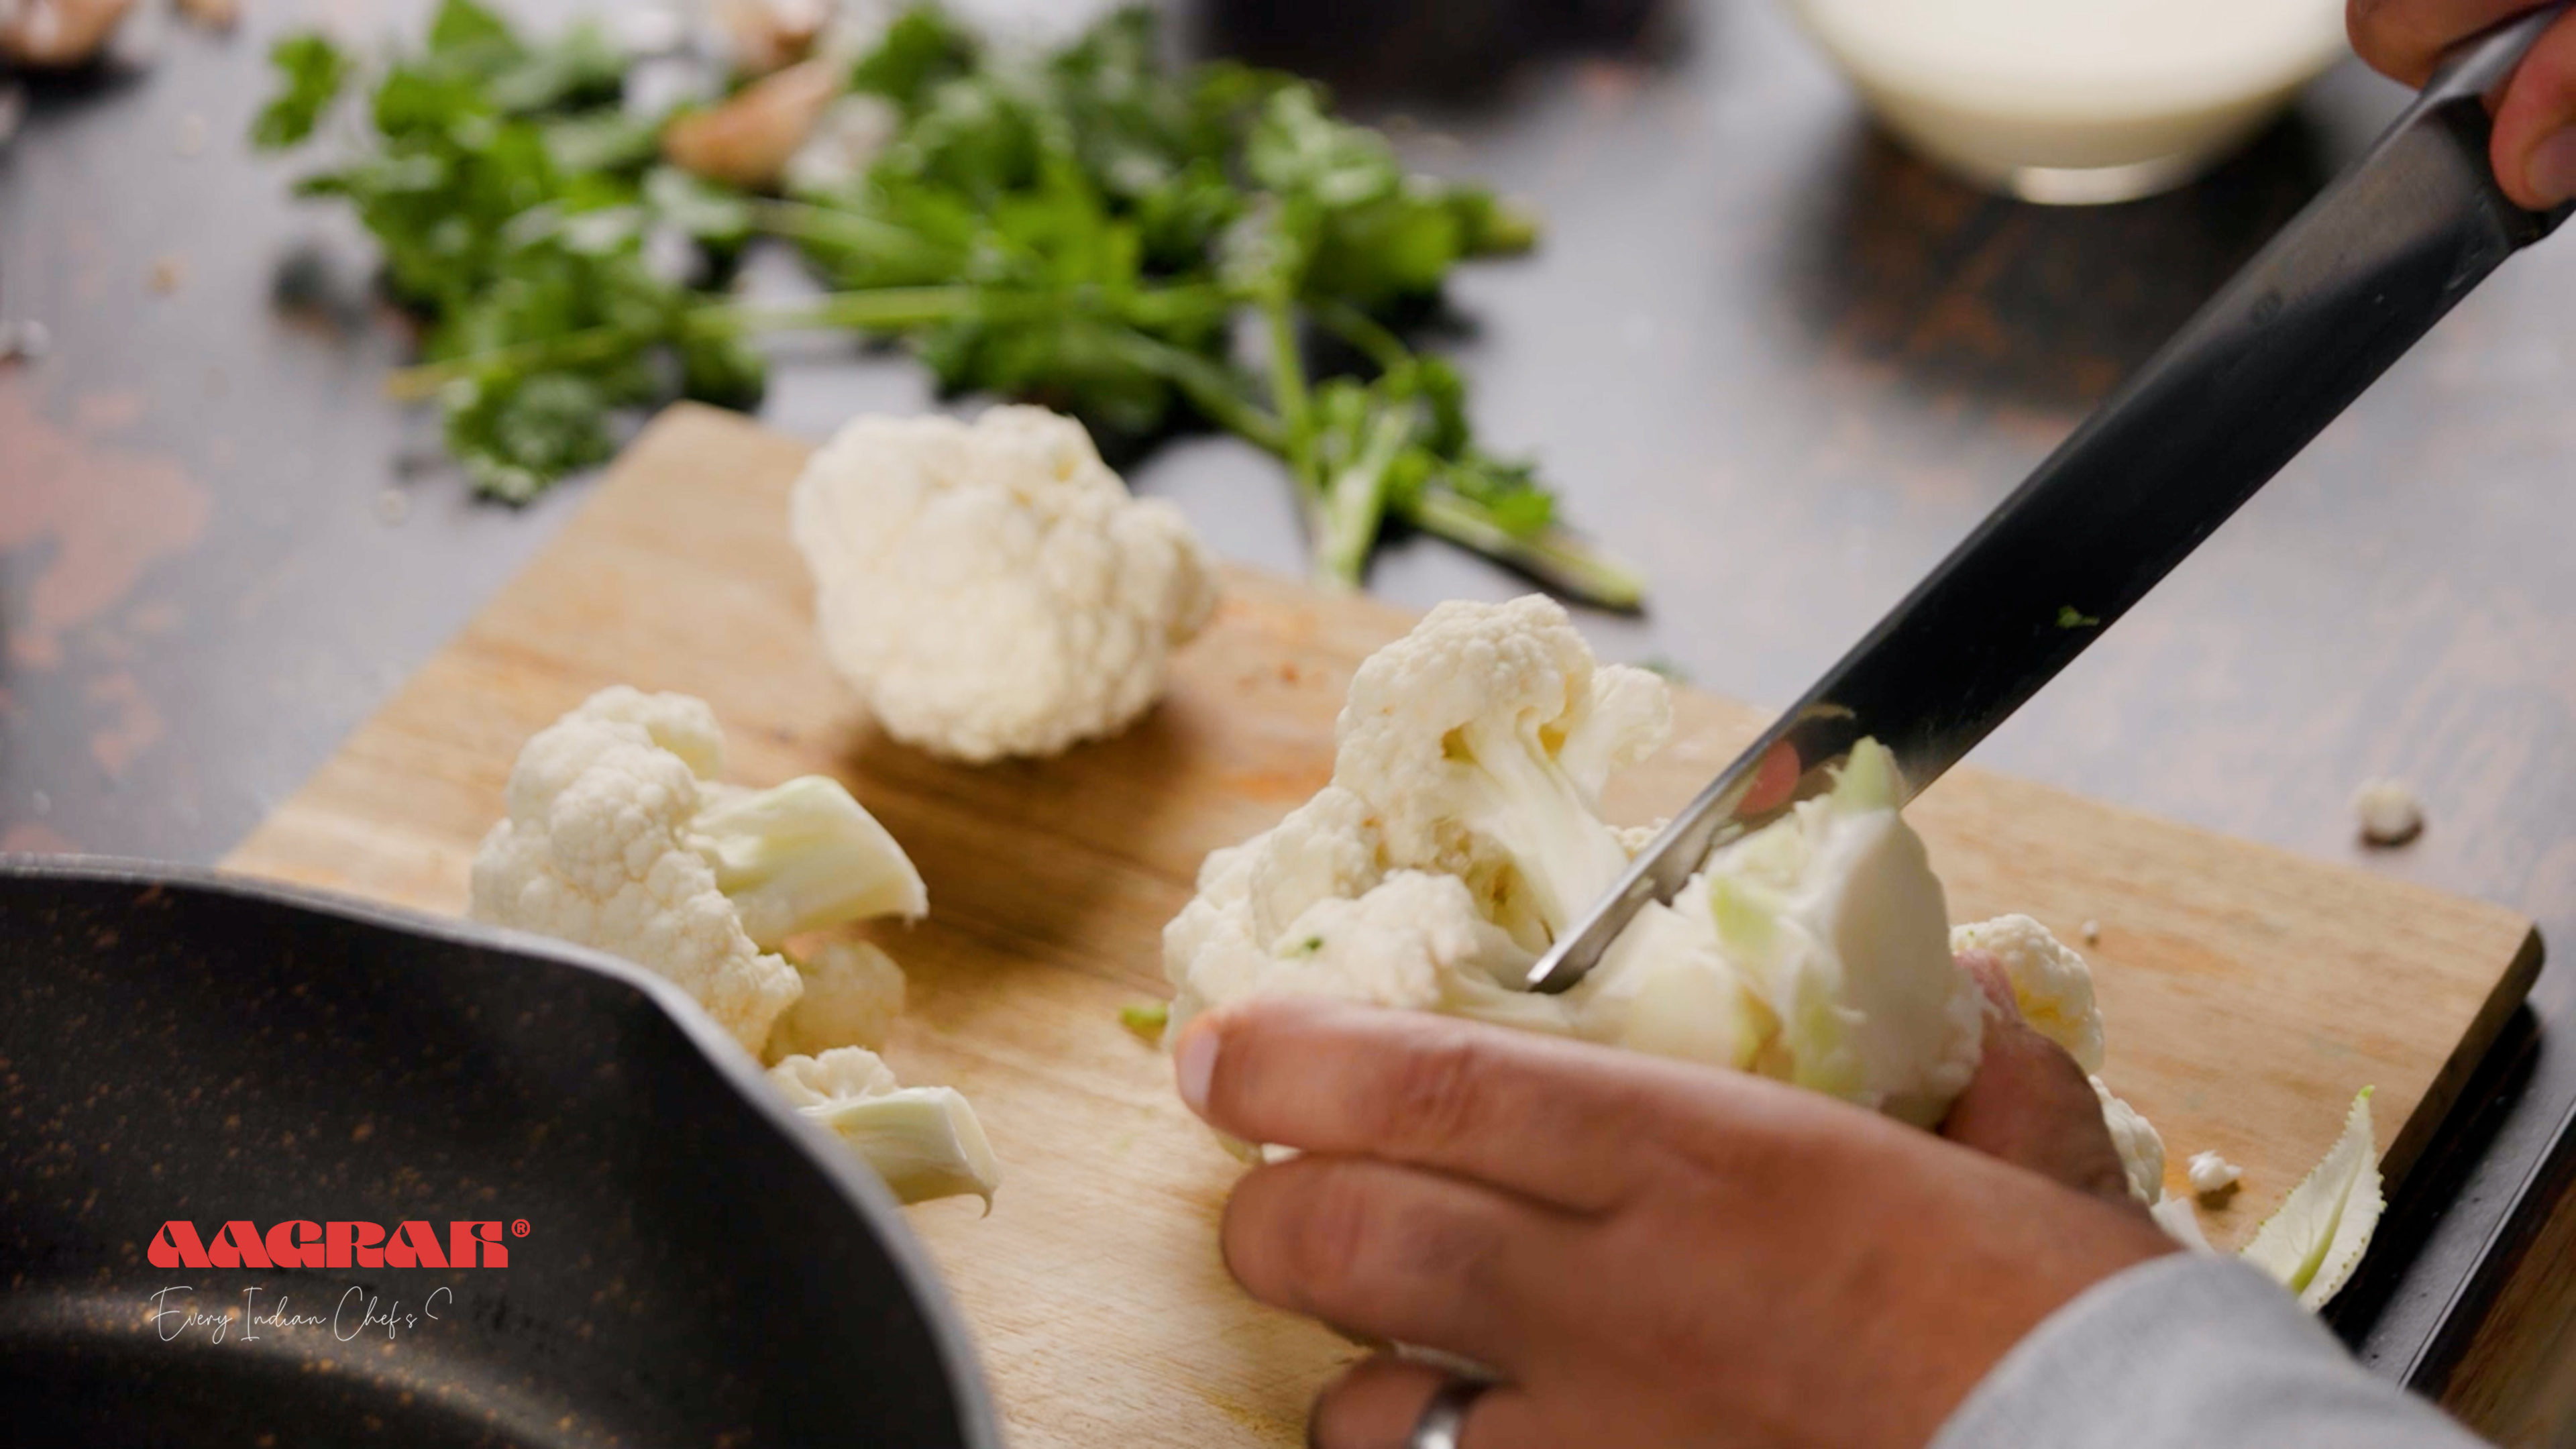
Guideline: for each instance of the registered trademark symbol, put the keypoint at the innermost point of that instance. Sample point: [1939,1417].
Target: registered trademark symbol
[518,1227]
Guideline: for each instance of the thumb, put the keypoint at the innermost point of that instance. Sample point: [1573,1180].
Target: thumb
[2030,1104]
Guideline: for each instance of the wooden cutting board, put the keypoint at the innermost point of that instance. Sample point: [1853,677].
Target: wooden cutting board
[2248,993]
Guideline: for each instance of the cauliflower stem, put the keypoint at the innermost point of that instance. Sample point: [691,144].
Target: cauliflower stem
[802,857]
[924,1141]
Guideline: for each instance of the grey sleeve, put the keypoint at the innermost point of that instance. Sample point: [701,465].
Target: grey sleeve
[2189,1352]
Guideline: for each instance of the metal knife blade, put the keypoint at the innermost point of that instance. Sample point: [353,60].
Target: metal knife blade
[2352,282]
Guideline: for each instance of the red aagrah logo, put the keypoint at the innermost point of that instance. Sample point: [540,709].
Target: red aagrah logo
[301,1243]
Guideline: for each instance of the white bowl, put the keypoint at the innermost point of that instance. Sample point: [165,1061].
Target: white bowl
[2077,101]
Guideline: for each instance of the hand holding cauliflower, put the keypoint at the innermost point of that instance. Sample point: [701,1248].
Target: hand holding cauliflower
[1462,832]
[992,590]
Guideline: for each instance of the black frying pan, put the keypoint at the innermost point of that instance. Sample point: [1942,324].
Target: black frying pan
[698,1266]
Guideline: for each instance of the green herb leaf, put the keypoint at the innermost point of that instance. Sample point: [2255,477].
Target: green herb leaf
[310,71]
[921,49]
[1083,227]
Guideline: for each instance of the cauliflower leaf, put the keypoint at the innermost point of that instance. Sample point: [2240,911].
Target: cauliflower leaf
[2316,1239]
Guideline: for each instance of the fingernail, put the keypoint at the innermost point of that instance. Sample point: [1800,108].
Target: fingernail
[2550,171]
[1987,970]
[1194,1065]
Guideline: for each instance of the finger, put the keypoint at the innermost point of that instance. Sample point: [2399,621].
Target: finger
[1397,1253]
[2535,126]
[1550,1119]
[2030,1105]
[1377,1404]
[2405,39]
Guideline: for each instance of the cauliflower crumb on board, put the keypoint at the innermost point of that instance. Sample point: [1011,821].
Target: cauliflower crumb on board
[2389,810]
[991,590]
[2212,1174]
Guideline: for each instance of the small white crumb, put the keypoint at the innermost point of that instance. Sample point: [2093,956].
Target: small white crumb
[193,133]
[2092,932]
[2390,811]
[2212,1174]
[392,507]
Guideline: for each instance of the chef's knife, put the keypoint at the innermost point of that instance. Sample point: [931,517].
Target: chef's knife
[2285,346]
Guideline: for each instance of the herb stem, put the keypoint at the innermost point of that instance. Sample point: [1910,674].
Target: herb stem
[1354,505]
[1210,387]
[1554,556]
[1362,331]
[591,344]
[852,231]
[1288,392]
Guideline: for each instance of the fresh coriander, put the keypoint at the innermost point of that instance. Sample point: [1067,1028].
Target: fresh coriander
[1080,227]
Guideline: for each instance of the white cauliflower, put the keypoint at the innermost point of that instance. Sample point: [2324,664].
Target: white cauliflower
[993,590]
[1481,741]
[1462,833]
[853,993]
[2053,988]
[2142,1151]
[1837,924]
[2050,983]
[617,838]
[924,1141]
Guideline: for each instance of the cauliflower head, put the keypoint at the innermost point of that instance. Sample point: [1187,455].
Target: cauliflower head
[616,837]
[1461,833]
[991,589]
[924,1141]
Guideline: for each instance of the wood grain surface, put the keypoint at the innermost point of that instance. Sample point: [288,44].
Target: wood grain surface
[2248,992]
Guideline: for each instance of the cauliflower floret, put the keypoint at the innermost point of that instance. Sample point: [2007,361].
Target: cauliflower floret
[924,1141]
[1481,742]
[853,993]
[1461,834]
[993,590]
[616,838]
[2142,1151]
[2050,983]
